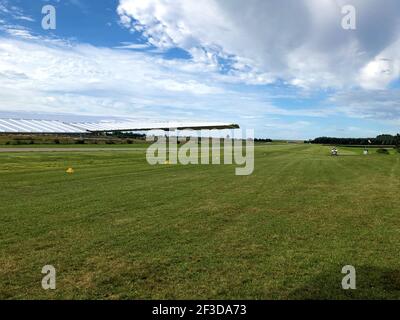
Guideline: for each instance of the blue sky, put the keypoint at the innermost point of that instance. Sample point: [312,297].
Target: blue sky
[284,68]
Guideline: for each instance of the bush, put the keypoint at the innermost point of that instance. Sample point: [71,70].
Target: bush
[129,141]
[110,142]
[382,151]
[56,141]
[80,141]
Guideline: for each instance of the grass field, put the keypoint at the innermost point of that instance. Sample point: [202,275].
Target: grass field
[121,229]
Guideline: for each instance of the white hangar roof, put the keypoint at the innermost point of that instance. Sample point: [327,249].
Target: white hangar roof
[26,126]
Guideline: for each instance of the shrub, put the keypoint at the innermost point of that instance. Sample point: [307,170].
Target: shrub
[80,141]
[383,151]
[110,142]
[56,141]
[129,141]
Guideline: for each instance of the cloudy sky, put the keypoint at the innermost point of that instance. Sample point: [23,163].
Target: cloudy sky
[286,68]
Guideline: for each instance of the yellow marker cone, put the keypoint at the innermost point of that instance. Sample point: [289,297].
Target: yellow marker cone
[167,162]
[70,170]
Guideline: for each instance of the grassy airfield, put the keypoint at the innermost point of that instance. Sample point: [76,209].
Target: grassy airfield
[119,228]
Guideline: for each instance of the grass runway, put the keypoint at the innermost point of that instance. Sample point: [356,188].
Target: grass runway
[119,228]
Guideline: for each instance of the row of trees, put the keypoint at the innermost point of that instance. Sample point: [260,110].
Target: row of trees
[262,140]
[384,139]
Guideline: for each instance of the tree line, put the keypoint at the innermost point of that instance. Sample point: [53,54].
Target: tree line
[262,140]
[383,139]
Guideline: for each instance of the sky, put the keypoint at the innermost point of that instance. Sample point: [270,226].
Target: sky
[285,68]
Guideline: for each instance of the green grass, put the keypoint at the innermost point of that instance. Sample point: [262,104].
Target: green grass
[121,229]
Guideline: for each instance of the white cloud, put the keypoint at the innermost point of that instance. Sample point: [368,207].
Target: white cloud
[6,8]
[54,76]
[301,41]
[377,104]
[134,46]
[18,31]
[385,68]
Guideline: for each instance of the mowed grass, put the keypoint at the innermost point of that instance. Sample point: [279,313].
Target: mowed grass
[119,228]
